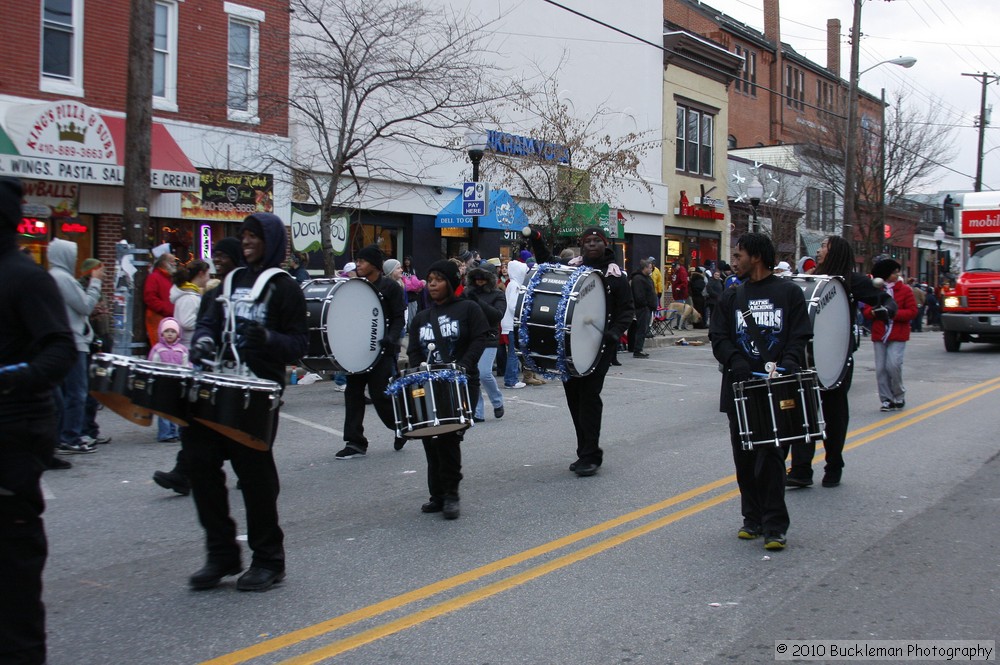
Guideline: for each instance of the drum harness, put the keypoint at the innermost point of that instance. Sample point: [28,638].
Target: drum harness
[743,305]
[229,328]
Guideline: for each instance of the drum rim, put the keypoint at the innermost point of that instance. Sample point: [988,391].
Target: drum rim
[820,282]
[250,381]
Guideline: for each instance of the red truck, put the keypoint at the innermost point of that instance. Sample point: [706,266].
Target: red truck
[970,310]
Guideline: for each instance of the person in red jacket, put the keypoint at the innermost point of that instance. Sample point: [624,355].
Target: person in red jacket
[890,334]
[156,292]
[680,282]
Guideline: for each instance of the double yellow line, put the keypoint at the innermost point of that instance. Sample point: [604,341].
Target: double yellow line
[873,431]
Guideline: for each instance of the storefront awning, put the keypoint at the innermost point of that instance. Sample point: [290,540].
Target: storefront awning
[67,141]
[503,214]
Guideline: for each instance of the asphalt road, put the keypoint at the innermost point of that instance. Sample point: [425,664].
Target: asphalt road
[639,564]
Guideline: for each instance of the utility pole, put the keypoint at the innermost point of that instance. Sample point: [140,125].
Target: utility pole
[985,79]
[850,163]
[138,139]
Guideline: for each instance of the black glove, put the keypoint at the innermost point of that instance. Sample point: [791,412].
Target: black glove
[202,349]
[791,367]
[610,337]
[739,370]
[254,334]
[881,313]
[388,345]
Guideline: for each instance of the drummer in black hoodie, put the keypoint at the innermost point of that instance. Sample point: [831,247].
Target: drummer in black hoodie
[583,393]
[271,332]
[779,309]
[461,326]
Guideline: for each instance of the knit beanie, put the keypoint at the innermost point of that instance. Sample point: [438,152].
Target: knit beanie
[372,254]
[389,265]
[885,268]
[449,270]
[594,231]
[89,265]
[231,247]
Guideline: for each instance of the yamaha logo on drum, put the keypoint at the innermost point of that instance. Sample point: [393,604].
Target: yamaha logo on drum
[826,300]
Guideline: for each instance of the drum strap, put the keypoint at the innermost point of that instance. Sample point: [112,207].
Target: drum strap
[743,305]
[258,286]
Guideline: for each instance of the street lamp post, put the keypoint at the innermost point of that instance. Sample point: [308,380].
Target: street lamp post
[938,238]
[850,165]
[475,142]
[755,191]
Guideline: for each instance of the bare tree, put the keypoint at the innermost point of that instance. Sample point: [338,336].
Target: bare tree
[375,84]
[581,159]
[916,141]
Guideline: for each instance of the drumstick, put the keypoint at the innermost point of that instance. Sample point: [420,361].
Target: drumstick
[590,322]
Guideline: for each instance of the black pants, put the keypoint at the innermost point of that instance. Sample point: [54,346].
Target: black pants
[583,395]
[760,474]
[444,465]
[642,316]
[698,302]
[25,448]
[205,451]
[377,379]
[837,413]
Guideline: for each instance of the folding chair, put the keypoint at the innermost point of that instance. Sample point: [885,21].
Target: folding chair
[662,320]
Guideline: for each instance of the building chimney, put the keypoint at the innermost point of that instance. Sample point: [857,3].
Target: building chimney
[772,22]
[833,46]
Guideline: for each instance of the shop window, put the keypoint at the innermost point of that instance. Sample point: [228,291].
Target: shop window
[243,62]
[694,145]
[62,47]
[165,56]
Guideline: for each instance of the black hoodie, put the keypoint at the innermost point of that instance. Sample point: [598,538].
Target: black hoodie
[492,300]
[34,329]
[281,307]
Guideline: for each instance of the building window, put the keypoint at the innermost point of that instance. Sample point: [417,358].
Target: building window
[747,81]
[165,56]
[795,87]
[244,62]
[731,142]
[824,94]
[695,130]
[821,206]
[62,47]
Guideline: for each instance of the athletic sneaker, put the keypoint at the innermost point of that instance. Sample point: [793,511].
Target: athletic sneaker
[350,452]
[516,386]
[775,541]
[75,449]
[886,406]
[749,532]
[899,406]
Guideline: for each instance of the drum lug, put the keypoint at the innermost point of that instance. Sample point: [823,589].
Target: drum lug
[246,399]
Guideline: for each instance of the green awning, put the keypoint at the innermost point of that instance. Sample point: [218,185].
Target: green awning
[6,145]
[583,215]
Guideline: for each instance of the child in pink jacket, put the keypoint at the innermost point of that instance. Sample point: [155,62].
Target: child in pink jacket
[169,350]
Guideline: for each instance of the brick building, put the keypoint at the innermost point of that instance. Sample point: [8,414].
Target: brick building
[781,98]
[62,119]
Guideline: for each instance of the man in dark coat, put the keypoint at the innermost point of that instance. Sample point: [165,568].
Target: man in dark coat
[644,297]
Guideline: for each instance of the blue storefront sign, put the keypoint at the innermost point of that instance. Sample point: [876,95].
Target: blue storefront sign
[503,214]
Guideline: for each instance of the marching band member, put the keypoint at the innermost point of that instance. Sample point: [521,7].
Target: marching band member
[37,349]
[837,258]
[369,266]
[461,327]
[583,393]
[779,309]
[271,332]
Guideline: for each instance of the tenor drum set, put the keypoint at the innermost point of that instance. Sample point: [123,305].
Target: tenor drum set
[242,408]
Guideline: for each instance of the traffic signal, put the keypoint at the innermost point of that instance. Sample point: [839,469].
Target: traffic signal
[944,261]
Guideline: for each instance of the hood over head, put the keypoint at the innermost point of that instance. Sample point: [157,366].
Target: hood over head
[517,271]
[269,227]
[62,255]
[484,269]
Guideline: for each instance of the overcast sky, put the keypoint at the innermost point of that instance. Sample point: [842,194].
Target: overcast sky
[948,38]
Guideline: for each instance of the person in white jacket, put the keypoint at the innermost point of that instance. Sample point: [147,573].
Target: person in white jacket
[72,395]
[185,294]
[517,271]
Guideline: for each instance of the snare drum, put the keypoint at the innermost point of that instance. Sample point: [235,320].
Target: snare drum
[242,408]
[431,400]
[161,388]
[110,385]
[560,318]
[346,324]
[829,308]
[779,411]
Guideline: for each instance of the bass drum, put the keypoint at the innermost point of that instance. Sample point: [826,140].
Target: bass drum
[829,307]
[560,318]
[346,324]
